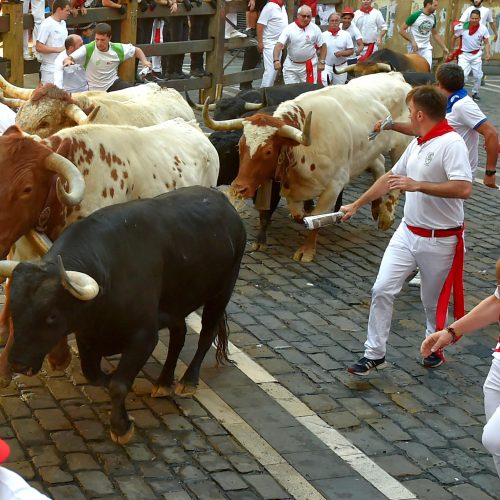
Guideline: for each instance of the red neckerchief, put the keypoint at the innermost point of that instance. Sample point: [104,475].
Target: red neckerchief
[440,129]
[277,2]
[299,25]
[473,29]
[334,32]
[366,10]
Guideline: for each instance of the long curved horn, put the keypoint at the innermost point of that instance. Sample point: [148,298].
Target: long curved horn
[68,171]
[14,91]
[252,106]
[301,136]
[91,116]
[80,285]
[195,105]
[76,114]
[234,124]
[383,67]
[347,69]
[12,103]
[7,267]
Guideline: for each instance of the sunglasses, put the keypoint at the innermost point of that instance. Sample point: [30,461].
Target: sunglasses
[304,15]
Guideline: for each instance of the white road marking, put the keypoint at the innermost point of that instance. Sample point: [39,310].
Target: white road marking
[362,464]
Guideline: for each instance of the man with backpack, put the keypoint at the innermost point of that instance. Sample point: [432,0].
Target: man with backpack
[101,59]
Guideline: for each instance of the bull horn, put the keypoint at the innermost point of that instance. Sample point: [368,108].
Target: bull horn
[383,67]
[93,114]
[219,88]
[80,285]
[76,114]
[7,267]
[195,105]
[12,103]
[252,106]
[14,91]
[301,136]
[234,124]
[347,69]
[68,171]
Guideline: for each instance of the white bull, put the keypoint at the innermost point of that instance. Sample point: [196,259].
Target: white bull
[315,143]
[48,109]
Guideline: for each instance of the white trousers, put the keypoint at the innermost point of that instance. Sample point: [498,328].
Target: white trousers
[269,76]
[46,76]
[472,63]
[407,251]
[426,53]
[328,75]
[157,27]
[296,72]
[38,12]
[491,432]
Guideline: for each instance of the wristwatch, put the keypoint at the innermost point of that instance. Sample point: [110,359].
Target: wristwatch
[321,61]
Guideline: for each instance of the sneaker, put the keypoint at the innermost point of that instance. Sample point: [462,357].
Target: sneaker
[153,76]
[476,97]
[432,361]
[236,34]
[415,281]
[365,365]
[28,57]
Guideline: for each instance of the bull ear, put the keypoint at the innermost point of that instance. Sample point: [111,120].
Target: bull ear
[13,130]
[80,285]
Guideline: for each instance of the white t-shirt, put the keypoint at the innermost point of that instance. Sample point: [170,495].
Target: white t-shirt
[496,353]
[465,116]
[334,43]
[275,20]
[7,117]
[72,79]
[471,43]
[53,34]
[102,69]
[421,26]
[324,12]
[354,32]
[486,15]
[441,159]
[14,487]
[370,24]
[301,43]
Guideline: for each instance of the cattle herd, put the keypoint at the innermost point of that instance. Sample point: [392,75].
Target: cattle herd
[111,227]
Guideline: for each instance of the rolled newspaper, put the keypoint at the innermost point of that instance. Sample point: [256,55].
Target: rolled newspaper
[385,123]
[317,221]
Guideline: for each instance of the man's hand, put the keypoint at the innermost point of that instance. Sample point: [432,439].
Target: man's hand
[446,51]
[487,56]
[490,181]
[402,182]
[260,47]
[277,65]
[414,47]
[251,5]
[435,342]
[321,66]
[68,61]
[379,41]
[349,211]
[173,7]
[147,64]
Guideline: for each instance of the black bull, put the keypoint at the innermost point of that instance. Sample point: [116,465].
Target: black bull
[155,261]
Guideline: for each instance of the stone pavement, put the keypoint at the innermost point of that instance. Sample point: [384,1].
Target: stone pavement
[304,324]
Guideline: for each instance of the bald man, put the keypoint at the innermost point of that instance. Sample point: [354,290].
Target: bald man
[72,79]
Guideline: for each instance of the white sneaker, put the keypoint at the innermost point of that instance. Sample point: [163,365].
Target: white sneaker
[237,34]
[415,281]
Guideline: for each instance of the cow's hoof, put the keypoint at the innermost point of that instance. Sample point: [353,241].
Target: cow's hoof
[258,247]
[384,223]
[5,380]
[185,390]
[124,438]
[162,391]
[59,364]
[304,255]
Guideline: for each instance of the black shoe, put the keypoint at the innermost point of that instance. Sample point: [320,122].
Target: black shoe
[365,365]
[476,97]
[177,76]
[154,76]
[197,72]
[433,361]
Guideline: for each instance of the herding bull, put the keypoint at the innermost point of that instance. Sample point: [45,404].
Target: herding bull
[386,60]
[110,164]
[46,110]
[117,277]
[315,143]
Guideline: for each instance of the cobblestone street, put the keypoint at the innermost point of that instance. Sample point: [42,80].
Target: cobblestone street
[285,420]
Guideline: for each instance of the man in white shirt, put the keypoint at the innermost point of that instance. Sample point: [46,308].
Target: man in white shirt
[38,13]
[473,34]
[357,40]
[101,59]
[272,21]
[324,12]
[339,47]
[435,174]
[486,16]
[372,26]
[7,117]
[301,39]
[70,78]
[417,29]
[50,41]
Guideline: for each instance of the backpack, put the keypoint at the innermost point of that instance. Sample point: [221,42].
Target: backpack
[90,47]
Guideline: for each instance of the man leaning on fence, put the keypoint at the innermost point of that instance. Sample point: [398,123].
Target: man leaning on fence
[101,59]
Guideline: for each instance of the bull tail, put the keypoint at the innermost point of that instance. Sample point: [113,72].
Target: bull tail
[221,341]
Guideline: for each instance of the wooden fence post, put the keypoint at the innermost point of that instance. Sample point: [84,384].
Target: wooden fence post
[128,34]
[13,41]
[215,58]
